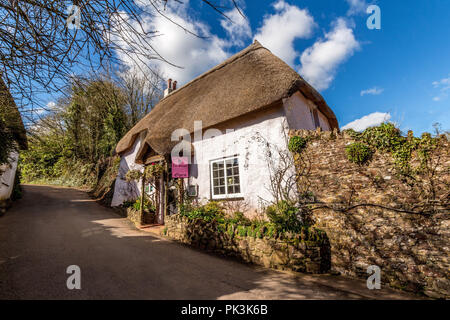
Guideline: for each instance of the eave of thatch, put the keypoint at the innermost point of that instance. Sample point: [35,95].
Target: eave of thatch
[11,115]
[248,81]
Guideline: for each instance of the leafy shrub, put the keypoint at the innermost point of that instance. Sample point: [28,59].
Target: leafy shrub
[136,205]
[283,221]
[284,216]
[154,170]
[128,204]
[358,153]
[208,212]
[297,144]
[6,142]
[239,218]
[387,137]
[17,190]
[133,175]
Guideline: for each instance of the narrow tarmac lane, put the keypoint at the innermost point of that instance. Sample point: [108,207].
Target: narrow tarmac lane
[52,228]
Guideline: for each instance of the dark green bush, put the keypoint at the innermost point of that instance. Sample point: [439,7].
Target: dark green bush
[386,137]
[208,212]
[283,220]
[17,189]
[284,217]
[6,142]
[297,144]
[136,205]
[240,218]
[358,153]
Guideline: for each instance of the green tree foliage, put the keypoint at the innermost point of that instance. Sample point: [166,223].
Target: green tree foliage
[95,119]
[6,141]
[78,134]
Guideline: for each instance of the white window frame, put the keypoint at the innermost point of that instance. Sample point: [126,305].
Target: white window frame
[211,179]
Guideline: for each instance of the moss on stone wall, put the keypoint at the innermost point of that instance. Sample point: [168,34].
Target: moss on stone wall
[304,252]
[384,213]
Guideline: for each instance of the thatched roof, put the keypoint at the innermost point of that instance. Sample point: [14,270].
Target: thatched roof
[248,81]
[11,116]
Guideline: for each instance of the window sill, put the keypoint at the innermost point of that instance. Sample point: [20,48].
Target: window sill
[229,198]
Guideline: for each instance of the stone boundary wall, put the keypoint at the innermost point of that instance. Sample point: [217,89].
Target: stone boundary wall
[381,228]
[135,216]
[302,256]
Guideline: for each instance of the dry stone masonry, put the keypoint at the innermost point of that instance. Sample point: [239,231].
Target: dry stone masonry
[284,254]
[372,217]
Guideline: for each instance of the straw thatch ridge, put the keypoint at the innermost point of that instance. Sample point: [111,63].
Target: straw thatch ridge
[248,81]
[11,116]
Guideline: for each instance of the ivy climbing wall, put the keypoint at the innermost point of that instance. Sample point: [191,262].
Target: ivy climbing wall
[383,200]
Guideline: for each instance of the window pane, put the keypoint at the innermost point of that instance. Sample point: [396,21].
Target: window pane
[237,189]
[222,190]
[218,182]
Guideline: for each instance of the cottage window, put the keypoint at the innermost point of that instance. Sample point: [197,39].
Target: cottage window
[225,178]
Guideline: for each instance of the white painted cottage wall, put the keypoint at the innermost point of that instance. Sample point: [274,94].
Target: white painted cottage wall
[8,176]
[123,190]
[299,113]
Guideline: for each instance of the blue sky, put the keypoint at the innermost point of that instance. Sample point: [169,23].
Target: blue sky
[401,72]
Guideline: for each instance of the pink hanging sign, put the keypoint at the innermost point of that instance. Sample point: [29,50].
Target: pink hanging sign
[180,167]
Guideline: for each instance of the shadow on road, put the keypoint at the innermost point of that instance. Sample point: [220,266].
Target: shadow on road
[54,227]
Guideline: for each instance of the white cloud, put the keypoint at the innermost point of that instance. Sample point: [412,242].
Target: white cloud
[320,61]
[186,54]
[356,7]
[444,86]
[371,120]
[238,29]
[279,30]
[373,91]
[41,111]
[51,105]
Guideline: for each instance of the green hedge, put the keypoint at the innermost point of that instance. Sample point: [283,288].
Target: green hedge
[282,223]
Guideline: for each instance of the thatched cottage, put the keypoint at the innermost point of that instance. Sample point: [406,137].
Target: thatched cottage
[222,122]
[12,123]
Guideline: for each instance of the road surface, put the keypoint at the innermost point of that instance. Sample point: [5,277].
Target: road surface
[52,228]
